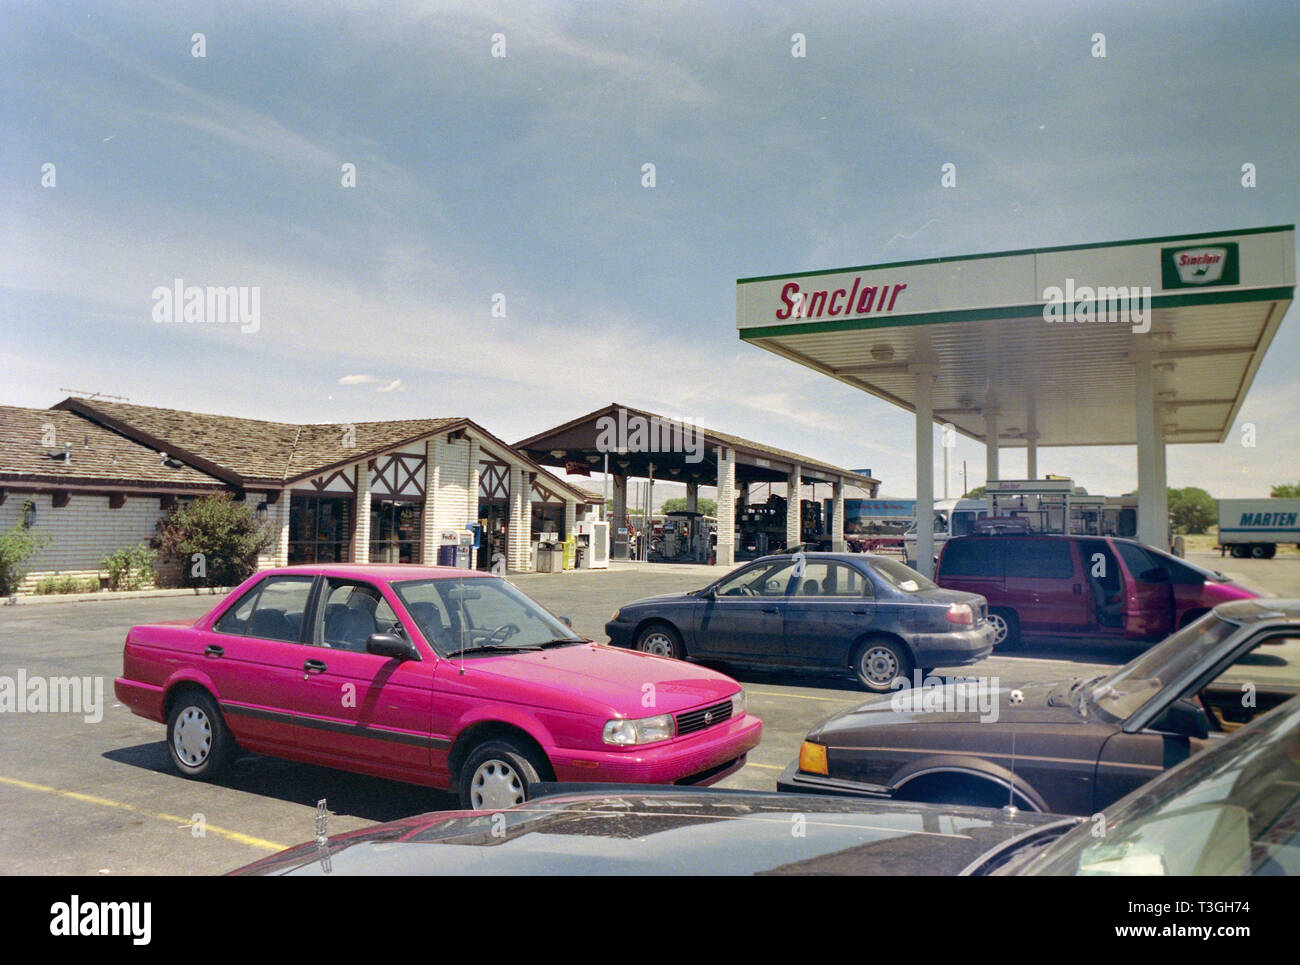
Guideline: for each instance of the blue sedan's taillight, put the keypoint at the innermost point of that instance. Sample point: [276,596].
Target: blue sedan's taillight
[961,614]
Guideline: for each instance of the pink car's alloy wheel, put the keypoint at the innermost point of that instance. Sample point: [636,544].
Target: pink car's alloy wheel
[192,736]
[496,785]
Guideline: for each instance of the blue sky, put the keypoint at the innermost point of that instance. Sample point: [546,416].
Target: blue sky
[522,176]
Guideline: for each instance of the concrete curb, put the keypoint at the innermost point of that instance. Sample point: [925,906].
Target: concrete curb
[44,599]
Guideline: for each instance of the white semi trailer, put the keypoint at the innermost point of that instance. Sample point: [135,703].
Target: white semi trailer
[1255,527]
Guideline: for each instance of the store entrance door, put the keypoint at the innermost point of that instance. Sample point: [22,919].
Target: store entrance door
[494,517]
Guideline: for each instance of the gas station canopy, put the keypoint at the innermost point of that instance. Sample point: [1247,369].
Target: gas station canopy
[1144,342]
[633,443]
[679,452]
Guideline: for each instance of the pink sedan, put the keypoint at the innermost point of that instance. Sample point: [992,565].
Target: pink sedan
[442,677]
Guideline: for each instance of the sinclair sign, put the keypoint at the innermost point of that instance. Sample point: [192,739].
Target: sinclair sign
[1199,266]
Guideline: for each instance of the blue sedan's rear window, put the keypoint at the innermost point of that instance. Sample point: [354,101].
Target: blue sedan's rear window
[902,577]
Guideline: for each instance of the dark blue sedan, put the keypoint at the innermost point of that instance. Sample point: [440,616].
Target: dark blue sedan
[826,611]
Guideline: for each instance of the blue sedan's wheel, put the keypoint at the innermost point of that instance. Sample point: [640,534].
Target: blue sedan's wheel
[878,662]
[660,640]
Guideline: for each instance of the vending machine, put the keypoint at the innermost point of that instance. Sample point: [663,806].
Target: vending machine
[593,543]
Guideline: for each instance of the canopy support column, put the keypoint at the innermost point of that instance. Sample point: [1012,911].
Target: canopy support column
[1153,514]
[726,507]
[924,470]
[793,510]
[837,515]
[990,443]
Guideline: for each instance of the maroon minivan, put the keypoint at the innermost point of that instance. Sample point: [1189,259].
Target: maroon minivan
[1081,586]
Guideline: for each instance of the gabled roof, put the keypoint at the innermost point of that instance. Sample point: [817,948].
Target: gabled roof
[253,452]
[98,455]
[249,451]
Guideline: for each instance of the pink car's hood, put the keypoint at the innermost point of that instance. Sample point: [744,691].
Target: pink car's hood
[611,678]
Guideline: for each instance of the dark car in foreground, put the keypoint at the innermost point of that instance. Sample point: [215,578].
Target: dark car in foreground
[1234,810]
[824,611]
[1086,588]
[1069,747]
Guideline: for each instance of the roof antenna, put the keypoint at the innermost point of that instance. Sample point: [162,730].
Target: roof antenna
[463,619]
[1011,785]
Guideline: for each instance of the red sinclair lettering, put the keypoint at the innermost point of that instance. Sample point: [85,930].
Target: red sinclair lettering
[1207,259]
[816,304]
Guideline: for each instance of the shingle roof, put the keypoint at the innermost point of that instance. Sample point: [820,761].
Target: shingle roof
[99,455]
[243,451]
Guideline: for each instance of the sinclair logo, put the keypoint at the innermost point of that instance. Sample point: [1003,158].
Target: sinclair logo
[831,303]
[1203,265]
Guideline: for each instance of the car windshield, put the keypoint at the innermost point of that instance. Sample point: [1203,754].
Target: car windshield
[1120,694]
[484,614]
[900,576]
[1235,810]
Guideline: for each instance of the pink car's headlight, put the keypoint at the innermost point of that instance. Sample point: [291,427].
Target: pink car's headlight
[626,733]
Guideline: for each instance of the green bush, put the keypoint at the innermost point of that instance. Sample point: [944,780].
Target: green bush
[129,568]
[66,584]
[214,539]
[17,547]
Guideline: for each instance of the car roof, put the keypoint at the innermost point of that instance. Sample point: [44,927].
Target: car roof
[389,572]
[819,555]
[1270,610]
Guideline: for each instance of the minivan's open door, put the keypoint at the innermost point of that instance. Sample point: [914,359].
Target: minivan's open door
[1148,593]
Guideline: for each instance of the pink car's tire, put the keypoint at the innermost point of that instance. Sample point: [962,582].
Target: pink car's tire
[498,774]
[198,740]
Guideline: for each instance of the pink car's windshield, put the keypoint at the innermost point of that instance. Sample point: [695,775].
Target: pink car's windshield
[484,614]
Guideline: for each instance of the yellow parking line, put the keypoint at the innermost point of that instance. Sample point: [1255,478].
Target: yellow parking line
[157,815]
[766,767]
[774,693]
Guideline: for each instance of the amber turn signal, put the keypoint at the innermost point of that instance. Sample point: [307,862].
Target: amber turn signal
[812,758]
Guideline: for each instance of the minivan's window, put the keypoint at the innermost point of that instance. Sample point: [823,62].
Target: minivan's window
[972,557]
[274,612]
[903,577]
[1138,560]
[1046,559]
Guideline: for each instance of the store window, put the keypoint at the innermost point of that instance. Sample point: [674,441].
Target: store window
[396,527]
[548,518]
[320,528]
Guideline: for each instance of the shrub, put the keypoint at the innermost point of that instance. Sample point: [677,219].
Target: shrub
[17,547]
[214,539]
[66,584]
[129,568]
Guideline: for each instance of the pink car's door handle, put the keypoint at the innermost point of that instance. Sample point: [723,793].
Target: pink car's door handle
[314,666]
[212,650]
